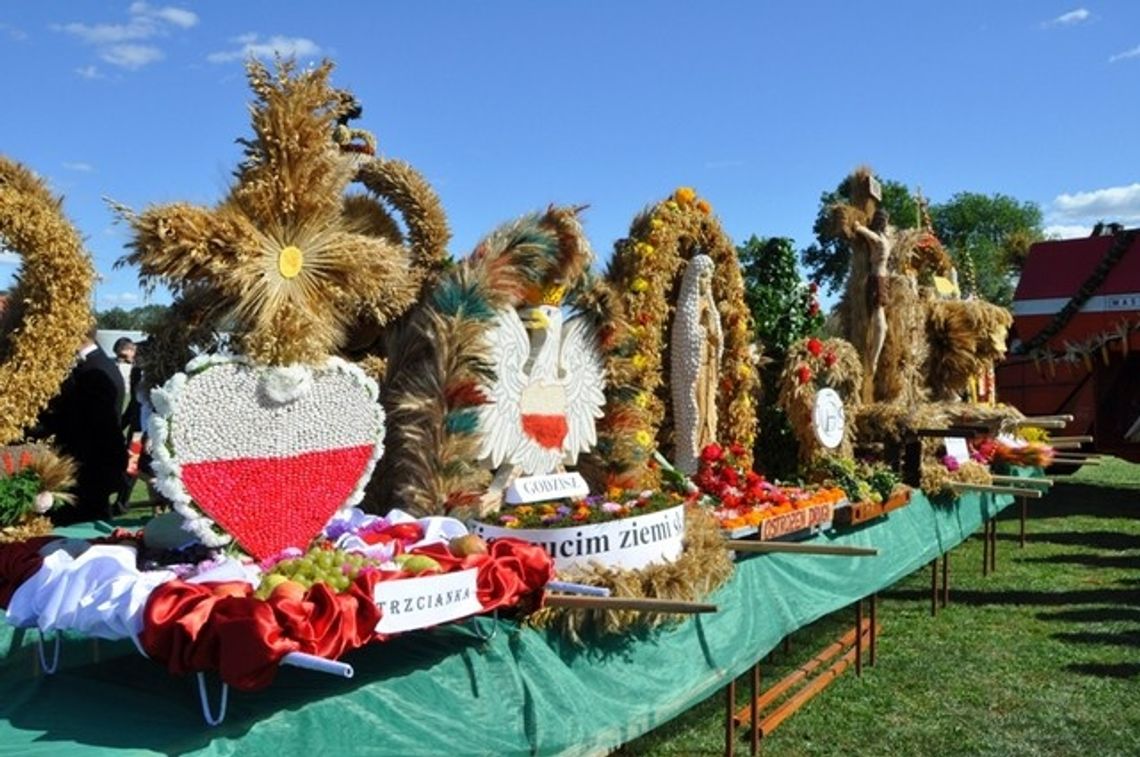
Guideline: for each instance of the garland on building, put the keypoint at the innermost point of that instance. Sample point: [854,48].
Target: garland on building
[1120,244]
[48,311]
[645,271]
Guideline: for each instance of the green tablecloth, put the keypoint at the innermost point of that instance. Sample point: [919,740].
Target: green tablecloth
[448,692]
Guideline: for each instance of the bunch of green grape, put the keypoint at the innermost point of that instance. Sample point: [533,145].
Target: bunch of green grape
[334,567]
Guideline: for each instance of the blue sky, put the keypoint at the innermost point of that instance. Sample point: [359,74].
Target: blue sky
[509,106]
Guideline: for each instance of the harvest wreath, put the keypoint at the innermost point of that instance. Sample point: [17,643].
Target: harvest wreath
[644,271]
[48,310]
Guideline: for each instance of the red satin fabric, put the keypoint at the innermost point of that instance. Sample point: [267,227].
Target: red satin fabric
[223,627]
[18,562]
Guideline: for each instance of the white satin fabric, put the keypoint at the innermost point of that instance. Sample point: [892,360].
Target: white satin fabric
[93,590]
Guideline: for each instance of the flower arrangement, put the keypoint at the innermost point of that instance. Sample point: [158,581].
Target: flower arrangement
[33,481]
[744,497]
[645,271]
[49,309]
[1013,451]
[594,509]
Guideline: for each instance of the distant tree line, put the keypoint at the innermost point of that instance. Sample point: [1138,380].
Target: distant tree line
[136,319]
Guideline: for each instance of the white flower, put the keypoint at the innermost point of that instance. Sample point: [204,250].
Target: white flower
[286,384]
[43,502]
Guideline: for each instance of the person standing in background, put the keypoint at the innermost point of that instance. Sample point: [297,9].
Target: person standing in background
[86,420]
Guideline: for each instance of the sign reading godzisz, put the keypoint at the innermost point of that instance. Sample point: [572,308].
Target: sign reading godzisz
[629,543]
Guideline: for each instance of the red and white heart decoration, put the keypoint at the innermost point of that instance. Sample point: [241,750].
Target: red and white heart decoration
[262,455]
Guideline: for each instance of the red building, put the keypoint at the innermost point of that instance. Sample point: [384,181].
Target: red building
[1076,338]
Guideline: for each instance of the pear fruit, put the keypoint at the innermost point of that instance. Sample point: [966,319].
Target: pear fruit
[470,544]
[418,564]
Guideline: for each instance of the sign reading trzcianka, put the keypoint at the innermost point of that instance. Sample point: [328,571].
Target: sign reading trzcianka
[527,489]
[411,603]
[629,543]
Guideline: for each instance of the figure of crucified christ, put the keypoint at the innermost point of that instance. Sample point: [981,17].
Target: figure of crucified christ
[879,245]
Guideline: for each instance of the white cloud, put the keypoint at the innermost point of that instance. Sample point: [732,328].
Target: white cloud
[131,56]
[251,47]
[178,16]
[1073,17]
[1109,204]
[89,72]
[13,33]
[9,258]
[1133,53]
[1066,231]
[118,43]
[79,166]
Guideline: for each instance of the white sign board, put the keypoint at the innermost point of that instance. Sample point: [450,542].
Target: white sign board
[411,603]
[957,448]
[629,543]
[527,489]
[827,418]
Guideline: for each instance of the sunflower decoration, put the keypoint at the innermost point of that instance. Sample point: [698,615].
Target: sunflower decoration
[295,260]
[262,449]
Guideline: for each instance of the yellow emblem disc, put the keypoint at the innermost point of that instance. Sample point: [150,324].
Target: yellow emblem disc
[289,261]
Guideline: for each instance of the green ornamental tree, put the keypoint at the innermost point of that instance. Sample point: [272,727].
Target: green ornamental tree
[785,310]
[987,236]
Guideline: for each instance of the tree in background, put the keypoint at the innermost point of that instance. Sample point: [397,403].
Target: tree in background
[784,310]
[988,237]
[137,319]
[829,258]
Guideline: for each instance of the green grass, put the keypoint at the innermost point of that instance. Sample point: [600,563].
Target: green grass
[1112,473]
[1041,658]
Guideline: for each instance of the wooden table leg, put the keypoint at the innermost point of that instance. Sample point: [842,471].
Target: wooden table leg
[859,637]
[946,579]
[993,546]
[729,722]
[1024,513]
[874,602]
[934,587]
[985,548]
[754,745]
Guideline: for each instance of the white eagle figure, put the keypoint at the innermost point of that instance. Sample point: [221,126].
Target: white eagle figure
[548,391]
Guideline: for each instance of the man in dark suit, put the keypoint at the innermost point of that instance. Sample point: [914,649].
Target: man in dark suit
[85,419]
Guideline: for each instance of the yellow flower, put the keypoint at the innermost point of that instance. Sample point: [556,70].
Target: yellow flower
[704,207]
[684,195]
[614,492]
[656,223]
[639,285]
[643,438]
[640,361]
[644,249]
[641,400]
[524,510]
[672,205]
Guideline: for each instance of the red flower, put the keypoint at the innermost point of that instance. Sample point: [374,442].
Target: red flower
[813,287]
[712,453]
[830,359]
[803,373]
[815,347]
[737,449]
[814,309]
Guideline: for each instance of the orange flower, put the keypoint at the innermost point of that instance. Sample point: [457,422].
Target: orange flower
[703,206]
[684,195]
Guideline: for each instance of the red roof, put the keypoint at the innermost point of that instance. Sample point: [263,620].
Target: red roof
[1055,271]
[1058,268]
